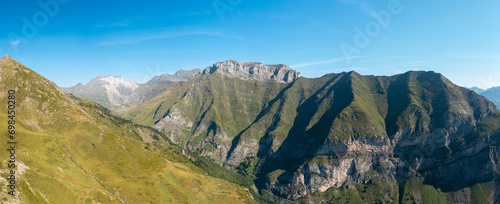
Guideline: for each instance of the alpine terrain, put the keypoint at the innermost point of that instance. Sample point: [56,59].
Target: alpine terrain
[410,138]
[73,151]
[118,94]
[244,132]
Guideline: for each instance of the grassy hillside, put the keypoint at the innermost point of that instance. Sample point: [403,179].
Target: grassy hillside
[312,134]
[73,151]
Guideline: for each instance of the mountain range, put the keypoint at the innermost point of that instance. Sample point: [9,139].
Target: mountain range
[493,94]
[118,94]
[341,138]
[304,136]
[74,151]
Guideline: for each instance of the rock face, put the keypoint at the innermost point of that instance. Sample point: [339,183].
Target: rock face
[310,135]
[254,71]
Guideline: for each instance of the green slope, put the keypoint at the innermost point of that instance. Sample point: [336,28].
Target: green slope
[274,131]
[73,151]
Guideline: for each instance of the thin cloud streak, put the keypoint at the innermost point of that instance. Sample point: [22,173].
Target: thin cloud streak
[15,42]
[119,24]
[327,28]
[365,7]
[134,37]
[482,57]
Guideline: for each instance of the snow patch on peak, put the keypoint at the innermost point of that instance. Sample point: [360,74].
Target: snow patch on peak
[117,88]
[113,82]
[110,91]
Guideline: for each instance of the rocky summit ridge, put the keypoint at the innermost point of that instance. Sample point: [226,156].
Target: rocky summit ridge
[118,93]
[254,71]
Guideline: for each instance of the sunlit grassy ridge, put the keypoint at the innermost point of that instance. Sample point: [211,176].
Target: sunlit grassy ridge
[73,151]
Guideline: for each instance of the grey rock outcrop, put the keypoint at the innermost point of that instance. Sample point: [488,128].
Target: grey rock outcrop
[254,71]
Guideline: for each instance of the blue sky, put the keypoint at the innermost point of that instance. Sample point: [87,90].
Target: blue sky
[77,40]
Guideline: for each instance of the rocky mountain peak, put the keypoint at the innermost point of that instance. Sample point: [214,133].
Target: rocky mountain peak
[254,71]
[7,57]
[114,81]
[181,75]
[110,91]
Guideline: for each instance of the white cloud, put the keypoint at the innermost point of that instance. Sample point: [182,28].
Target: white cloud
[483,81]
[15,42]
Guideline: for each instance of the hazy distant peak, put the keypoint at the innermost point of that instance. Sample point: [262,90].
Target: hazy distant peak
[107,90]
[181,75]
[477,89]
[184,75]
[254,71]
